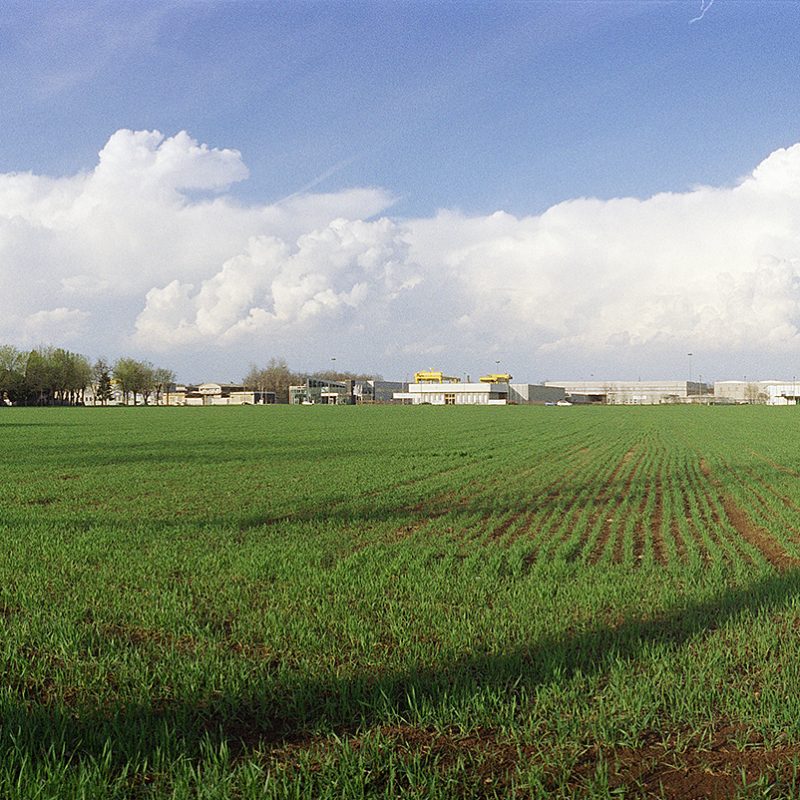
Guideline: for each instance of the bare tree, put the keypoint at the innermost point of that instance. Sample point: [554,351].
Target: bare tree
[753,394]
[275,377]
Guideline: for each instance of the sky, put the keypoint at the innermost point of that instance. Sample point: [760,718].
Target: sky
[568,190]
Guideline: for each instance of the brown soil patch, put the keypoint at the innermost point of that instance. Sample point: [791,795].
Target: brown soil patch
[638,534]
[748,530]
[711,514]
[715,770]
[757,536]
[659,547]
[685,767]
[137,636]
[502,529]
[677,537]
[487,759]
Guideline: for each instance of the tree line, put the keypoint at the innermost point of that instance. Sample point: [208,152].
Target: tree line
[52,376]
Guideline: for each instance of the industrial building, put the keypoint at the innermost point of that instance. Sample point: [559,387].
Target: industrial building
[376,391]
[216,394]
[204,394]
[756,392]
[634,392]
[351,392]
[439,389]
[783,394]
[535,394]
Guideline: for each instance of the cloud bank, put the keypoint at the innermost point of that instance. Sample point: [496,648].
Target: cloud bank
[148,250]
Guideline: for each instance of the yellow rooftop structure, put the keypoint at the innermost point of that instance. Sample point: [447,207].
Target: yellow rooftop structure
[431,376]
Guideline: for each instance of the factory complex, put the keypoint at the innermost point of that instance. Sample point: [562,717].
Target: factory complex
[436,388]
[432,387]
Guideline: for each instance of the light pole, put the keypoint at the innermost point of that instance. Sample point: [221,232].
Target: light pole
[688,388]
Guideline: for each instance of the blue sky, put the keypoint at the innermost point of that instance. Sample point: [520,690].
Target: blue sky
[481,106]
[470,108]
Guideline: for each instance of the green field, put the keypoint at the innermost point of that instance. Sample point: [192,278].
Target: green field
[381,602]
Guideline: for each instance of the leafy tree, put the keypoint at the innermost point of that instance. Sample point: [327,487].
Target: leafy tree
[54,376]
[71,373]
[140,379]
[126,375]
[146,380]
[101,375]
[42,376]
[12,373]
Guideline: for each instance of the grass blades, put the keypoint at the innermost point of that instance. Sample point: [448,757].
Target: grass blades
[393,601]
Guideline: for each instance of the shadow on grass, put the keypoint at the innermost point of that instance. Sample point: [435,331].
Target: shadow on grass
[296,707]
[4,424]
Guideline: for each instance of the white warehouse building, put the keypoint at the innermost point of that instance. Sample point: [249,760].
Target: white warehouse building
[754,392]
[634,392]
[440,390]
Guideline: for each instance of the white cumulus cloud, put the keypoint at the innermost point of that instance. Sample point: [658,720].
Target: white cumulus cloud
[274,284]
[148,250]
[63,325]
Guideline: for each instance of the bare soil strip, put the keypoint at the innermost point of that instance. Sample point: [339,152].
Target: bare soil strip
[710,492]
[603,507]
[659,546]
[502,529]
[618,555]
[639,528]
[680,544]
[695,535]
[748,530]
[669,767]
[558,489]
[712,770]
[541,500]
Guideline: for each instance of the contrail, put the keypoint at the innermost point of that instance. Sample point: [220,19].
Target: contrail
[340,165]
[704,6]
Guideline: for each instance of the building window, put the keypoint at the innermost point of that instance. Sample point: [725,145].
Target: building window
[449,399]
